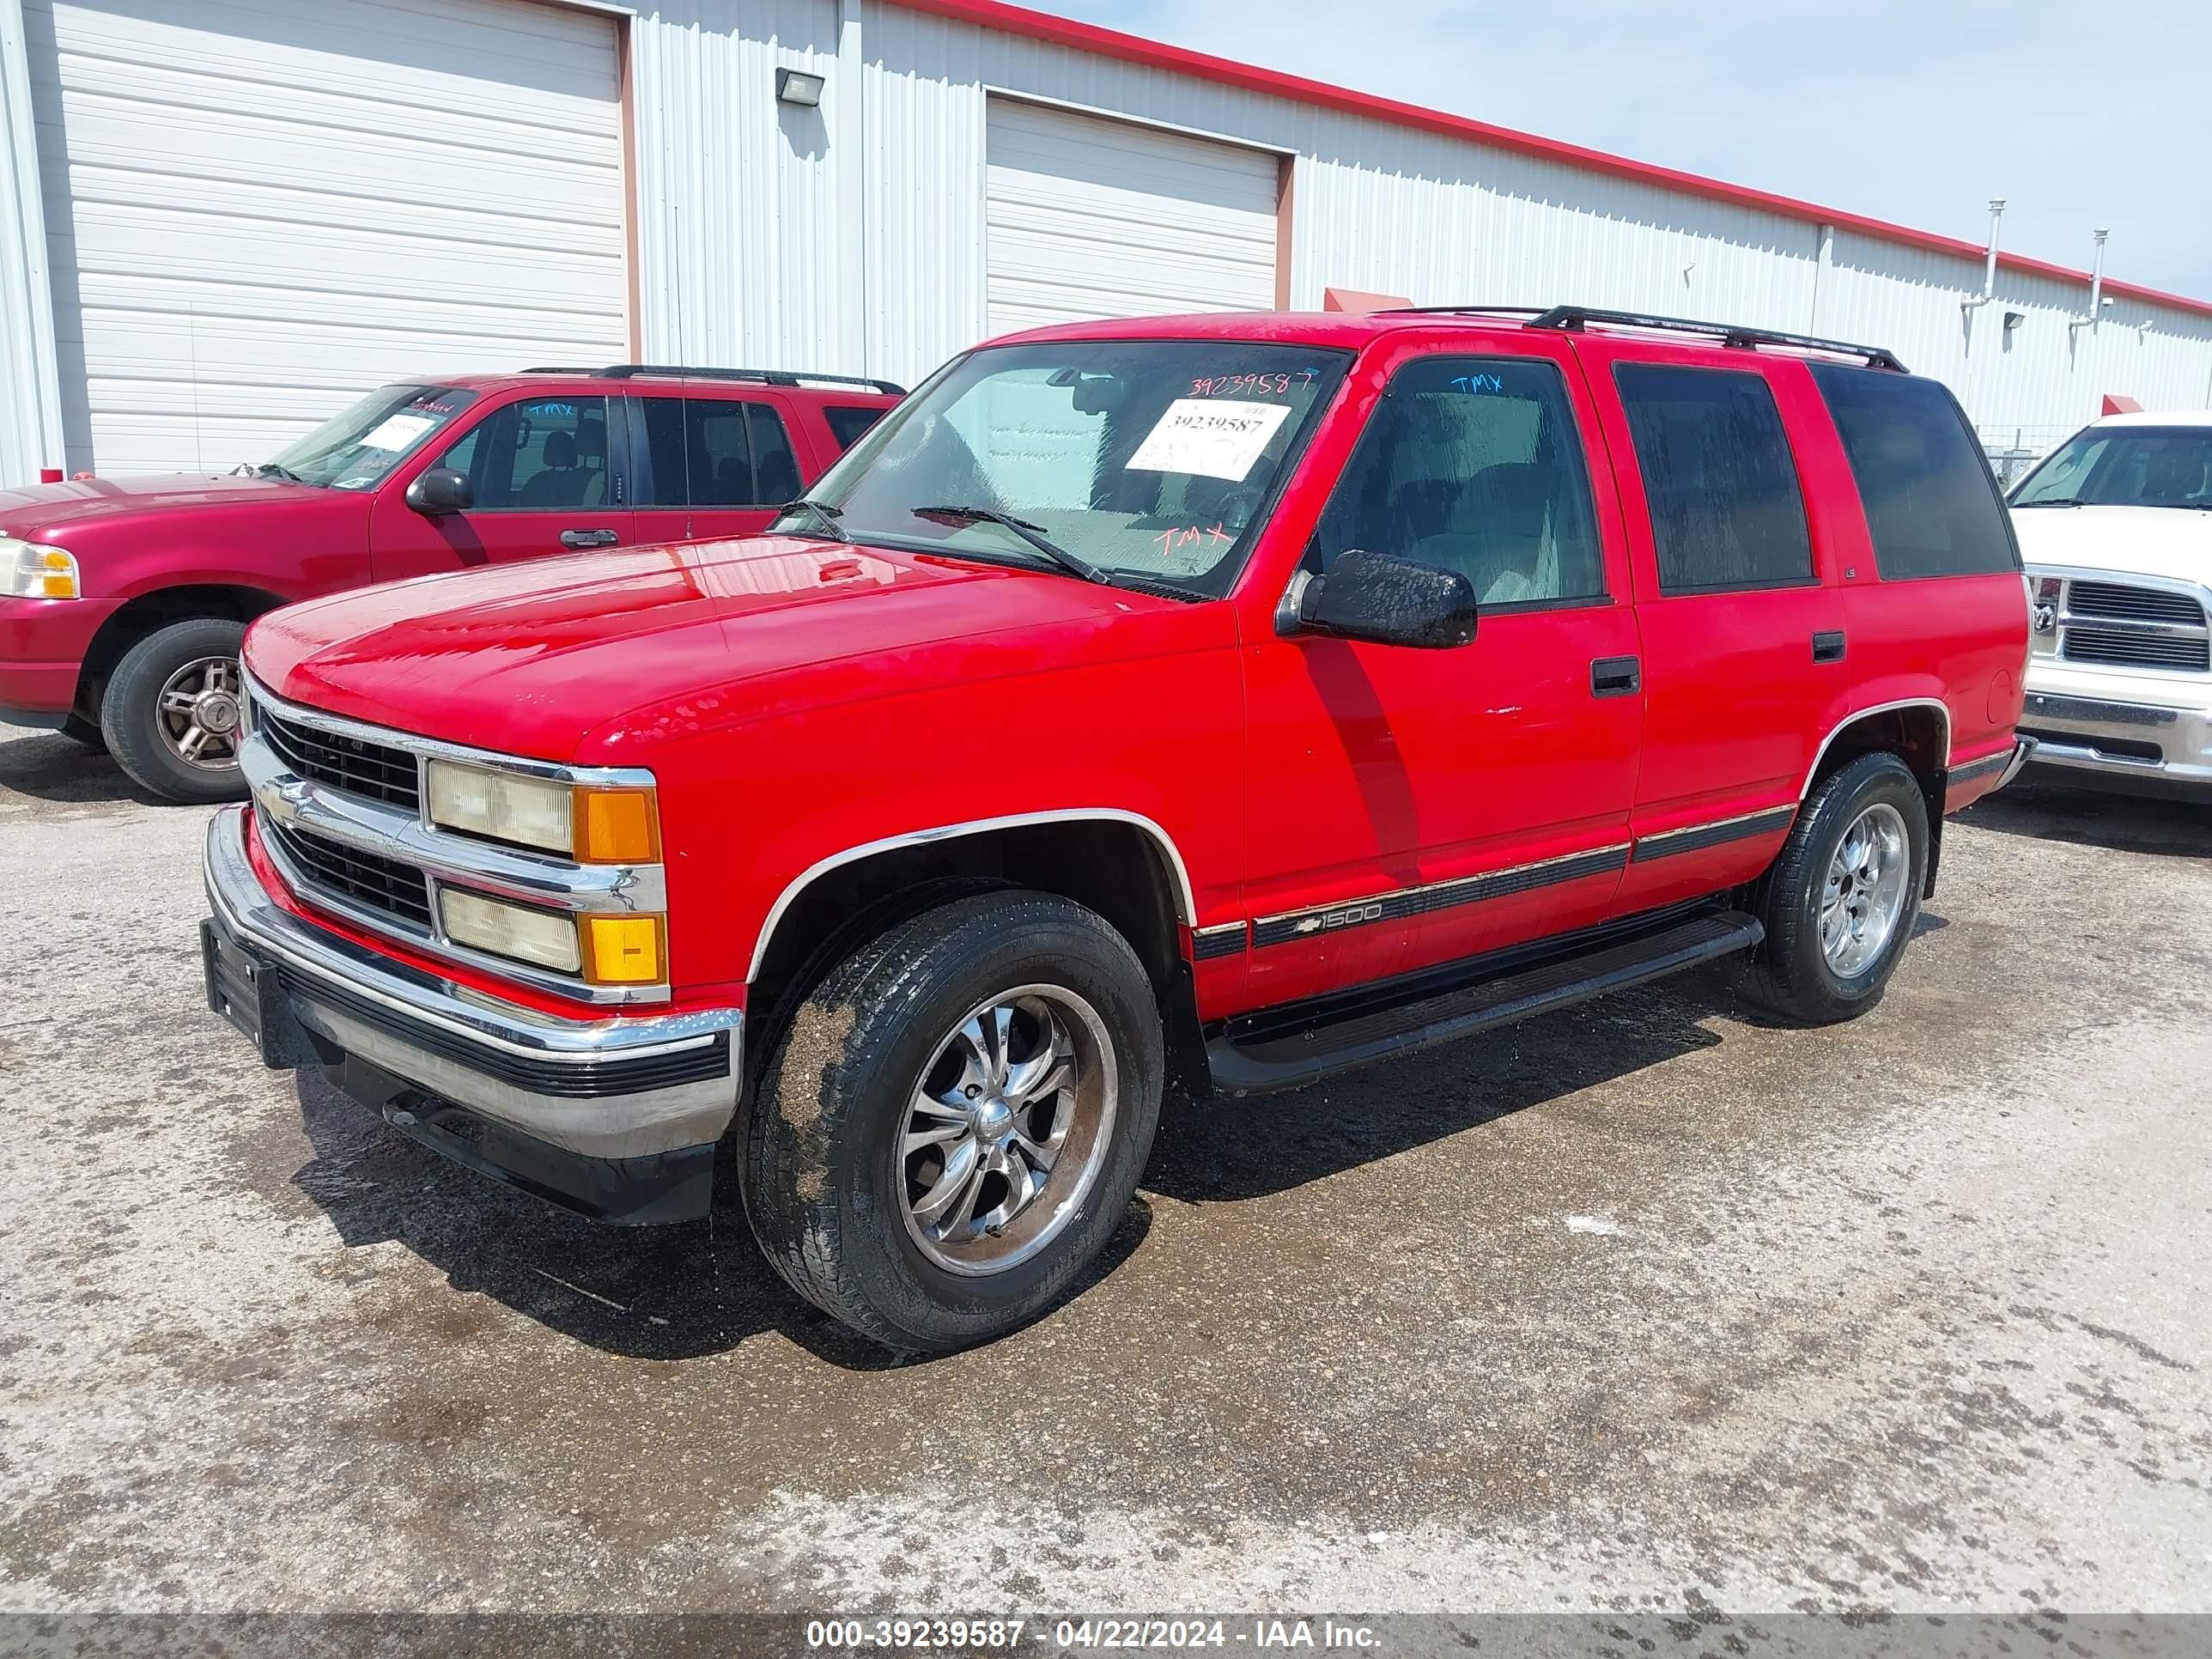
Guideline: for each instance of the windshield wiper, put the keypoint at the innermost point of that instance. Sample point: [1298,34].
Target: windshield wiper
[2055,501]
[1074,564]
[823,512]
[267,469]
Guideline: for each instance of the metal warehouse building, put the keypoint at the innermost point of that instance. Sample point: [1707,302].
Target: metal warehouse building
[223,218]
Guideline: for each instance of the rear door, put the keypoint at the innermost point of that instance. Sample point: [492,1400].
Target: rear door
[542,477]
[1743,627]
[1409,807]
[708,466]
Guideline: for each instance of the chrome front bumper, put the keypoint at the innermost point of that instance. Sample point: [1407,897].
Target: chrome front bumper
[2164,746]
[602,1087]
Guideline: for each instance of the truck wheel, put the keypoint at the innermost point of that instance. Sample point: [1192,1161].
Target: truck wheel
[1840,900]
[170,712]
[953,1125]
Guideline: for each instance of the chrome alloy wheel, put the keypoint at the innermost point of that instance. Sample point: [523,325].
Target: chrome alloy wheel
[1866,889]
[197,714]
[1007,1129]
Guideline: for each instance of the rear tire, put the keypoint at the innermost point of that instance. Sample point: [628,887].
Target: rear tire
[1840,900]
[935,1175]
[172,698]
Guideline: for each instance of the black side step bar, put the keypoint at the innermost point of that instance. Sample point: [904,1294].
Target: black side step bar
[1286,1060]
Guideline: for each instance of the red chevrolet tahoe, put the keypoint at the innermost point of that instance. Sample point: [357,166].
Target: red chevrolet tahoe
[122,600]
[1221,700]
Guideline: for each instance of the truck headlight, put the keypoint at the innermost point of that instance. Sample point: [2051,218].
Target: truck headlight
[544,938]
[32,570]
[590,825]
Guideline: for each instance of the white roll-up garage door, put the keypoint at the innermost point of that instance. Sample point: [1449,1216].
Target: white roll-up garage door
[1088,218]
[261,207]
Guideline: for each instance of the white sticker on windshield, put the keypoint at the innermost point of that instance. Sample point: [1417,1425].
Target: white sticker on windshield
[1212,437]
[398,432]
[353,483]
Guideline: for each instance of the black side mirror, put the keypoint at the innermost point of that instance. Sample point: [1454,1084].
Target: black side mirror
[441,489]
[1388,600]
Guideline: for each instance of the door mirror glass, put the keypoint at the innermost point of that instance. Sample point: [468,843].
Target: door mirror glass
[1388,600]
[441,489]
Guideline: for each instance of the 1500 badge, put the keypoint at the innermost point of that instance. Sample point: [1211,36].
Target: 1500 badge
[1350,916]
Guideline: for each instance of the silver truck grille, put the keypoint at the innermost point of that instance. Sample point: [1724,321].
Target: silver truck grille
[2125,626]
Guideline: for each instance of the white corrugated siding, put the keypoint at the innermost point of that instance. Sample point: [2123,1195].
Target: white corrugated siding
[258,209]
[1375,206]
[30,380]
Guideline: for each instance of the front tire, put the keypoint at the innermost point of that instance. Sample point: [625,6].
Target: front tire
[1841,899]
[170,711]
[953,1125]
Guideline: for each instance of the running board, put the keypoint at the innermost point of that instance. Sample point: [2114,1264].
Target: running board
[1286,1060]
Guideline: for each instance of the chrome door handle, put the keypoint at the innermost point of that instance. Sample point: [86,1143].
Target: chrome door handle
[589,538]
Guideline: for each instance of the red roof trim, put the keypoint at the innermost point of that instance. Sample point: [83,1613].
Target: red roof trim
[1132,49]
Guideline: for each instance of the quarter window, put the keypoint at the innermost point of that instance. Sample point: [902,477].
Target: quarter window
[1726,513]
[849,420]
[1473,465]
[1930,502]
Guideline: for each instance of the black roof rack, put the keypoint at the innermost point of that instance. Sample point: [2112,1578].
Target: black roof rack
[758,376]
[1575,318]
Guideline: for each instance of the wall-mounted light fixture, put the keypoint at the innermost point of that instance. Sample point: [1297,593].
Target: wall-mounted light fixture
[799,86]
[2013,319]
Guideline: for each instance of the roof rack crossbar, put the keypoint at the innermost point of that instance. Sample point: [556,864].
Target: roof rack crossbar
[1447,311]
[1573,318]
[757,376]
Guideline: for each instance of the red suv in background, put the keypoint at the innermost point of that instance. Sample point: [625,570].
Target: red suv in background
[1233,699]
[124,598]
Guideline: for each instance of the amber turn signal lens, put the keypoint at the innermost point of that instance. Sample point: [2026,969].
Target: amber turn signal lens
[616,826]
[623,949]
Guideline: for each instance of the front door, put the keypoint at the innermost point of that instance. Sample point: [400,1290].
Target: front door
[1411,807]
[710,466]
[543,478]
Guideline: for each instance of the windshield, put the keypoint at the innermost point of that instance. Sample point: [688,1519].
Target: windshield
[2124,466]
[1153,460]
[353,450]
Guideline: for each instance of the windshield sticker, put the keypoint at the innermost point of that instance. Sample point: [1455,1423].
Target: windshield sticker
[353,483]
[398,431]
[1209,438]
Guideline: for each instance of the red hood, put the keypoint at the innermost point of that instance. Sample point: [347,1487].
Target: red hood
[37,508]
[596,658]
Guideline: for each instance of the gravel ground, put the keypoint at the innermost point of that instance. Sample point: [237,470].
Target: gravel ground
[1642,1306]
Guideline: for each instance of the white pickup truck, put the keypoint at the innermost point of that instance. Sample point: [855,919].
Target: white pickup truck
[2115,528]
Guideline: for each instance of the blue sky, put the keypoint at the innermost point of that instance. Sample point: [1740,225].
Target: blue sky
[1917,112]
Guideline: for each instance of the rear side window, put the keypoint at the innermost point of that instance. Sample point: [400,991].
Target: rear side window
[657,452]
[739,454]
[1473,465]
[1726,513]
[849,420]
[1930,502]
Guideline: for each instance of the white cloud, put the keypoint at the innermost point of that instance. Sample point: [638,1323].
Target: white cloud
[1912,111]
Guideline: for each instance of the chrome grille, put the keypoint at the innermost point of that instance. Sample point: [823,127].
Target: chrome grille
[356,765]
[383,885]
[2124,626]
[2139,603]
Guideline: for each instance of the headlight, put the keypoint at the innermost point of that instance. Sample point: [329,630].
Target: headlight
[30,570]
[591,825]
[545,938]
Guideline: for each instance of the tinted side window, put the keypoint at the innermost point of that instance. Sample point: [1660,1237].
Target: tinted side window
[542,453]
[1726,509]
[775,470]
[1930,499]
[848,421]
[657,456]
[1473,465]
[721,455]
